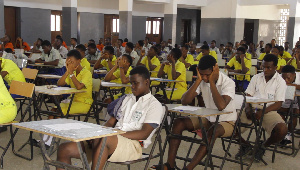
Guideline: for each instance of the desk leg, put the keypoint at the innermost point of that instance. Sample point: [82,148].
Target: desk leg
[172,92]
[70,104]
[83,157]
[101,152]
[57,103]
[110,94]
[162,86]
[44,153]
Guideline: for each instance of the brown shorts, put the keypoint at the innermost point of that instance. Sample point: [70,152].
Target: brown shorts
[228,126]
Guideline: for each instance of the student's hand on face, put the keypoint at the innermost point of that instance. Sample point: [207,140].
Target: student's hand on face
[199,78]
[122,62]
[215,74]
[171,59]
[243,56]
[105,56]
[143,53]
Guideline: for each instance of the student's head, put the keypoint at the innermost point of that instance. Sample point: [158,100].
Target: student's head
[205,50]
[46,45]
[107,41]
[205,67]
[140,43]
[286,45]
[8,50]
[288,74]
[251,45]
[6,38]
[261,43]
[239,52]
[275,50]
[237,44]
[58,41]
[176,53]
[170,41]
[158,46]
[74,57]
[244,46]
[268,48]
[229,46]
[221,45]
[184,50]
[139,78]
[91,41]
[193,48]
[163,44]
[109,50]
[213,44]
[120,42]
[269,64]
[129,47]
[101,41]
[39,42]
[92,49]
[205,43]
[81,48]
[153,51]
[128,60]
[146,40]
[73,41]
[125,39]
[281,50]
[243,42]
[273,42]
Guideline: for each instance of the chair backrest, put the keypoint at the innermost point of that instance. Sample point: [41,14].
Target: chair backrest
[221,62]
[254,62]
[96,85]
[253,70]
[30,73]
[219,57]
[21,88]
[189,76]
[22,63]
[290,92]
[223,70]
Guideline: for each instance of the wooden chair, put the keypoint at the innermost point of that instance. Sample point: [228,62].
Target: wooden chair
[189,78]
[30,74]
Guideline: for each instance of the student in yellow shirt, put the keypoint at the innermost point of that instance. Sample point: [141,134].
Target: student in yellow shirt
[120,74]
[205,51]
[84,63]
[8,107]
[287,57]
[248,55]
[268,48]
[281,62]
[151,62]
[186,59]
[296,56]
[10,71]
[175,70]
[107,59]
[242,65]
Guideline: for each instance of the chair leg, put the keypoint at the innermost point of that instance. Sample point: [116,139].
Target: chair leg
[189,151]
[128,166]
[106,165]
[274,151]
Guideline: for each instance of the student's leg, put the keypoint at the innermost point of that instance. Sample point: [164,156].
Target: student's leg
[66,151]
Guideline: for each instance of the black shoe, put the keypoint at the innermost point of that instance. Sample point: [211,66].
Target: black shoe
[244,150]
[285,142]
[259,154]
[37,144]
[3,129]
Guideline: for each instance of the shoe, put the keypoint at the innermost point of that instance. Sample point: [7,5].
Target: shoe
[243,151]
[259,154]
[285,142]
[3,129]
[36,143]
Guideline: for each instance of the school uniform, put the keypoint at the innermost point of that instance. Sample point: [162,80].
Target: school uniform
[287,55]
[8,107]
[7,45]
[85,63]
[195,54]
[63,51]
[262,56]
[26,46]
[54,55]
[95,56]
[117,74]
[104,62]
[14,72]
[100,47]
[241,79]
[135,57]
[189,59]
[281,63]
[215,50]
[286,104]
[154,61]
[163,55]
[212,53]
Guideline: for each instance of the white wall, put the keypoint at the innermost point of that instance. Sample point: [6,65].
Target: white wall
[266,12]
[99,6]
[151,10]
[46,4]
[217,9]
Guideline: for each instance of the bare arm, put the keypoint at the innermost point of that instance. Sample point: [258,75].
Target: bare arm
[244,68]
[123,77]
[110,75]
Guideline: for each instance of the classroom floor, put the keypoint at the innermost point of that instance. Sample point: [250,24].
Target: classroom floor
[12,162]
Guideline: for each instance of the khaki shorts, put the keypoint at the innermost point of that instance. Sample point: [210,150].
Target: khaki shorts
[228,126]
[270,120]
[126,150]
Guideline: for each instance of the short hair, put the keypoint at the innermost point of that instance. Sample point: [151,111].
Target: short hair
[176,53]
[281,48]
[81,47]
[278,48]
[129,45]
[245,46]
[141,43]
[128,57]
[214,41]
[204,47]
[261,41]
[186,47]
[269,45]
[155,49]
[221,44]
[58,36]
[60,39]
[142,71]
[125,39]
[8,50]
[110,49]
[288,69]
[92,45]
[241,49]
[74,53]
[230,44]
[46,43]
[120,40]
[271,58]
[107,38]
[207,62]
[40,39]
[75,39]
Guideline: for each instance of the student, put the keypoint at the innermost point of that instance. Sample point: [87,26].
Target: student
[120,74]
[248,55]
[268,48]
[107,41]
[100,45]
[287,57]
[193,51]
[10,71]
[63,42]
[292,78]
[129,51]
[147,113]
[8,107]
[236,45]
[80,78]
[164,47]
[281,62]
[119,49]
[273,43]
[107,59]
[266,85]
[213,47]
[229,51]
[260,47]
[58,46]
[146,43]
[93,54]
[20,44]
[287,48]
[252,50]
[175,70]
[6,43]
[161,55]
[242,65]
[186,59]
[296,56]
[139,47]
[73,43]
[84,63]
[51,56]
[125,42]
[151,62]
[37,46]
[218,92]
[206,51]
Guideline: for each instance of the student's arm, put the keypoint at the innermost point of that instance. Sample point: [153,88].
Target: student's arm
[139,134]
[161,70]
[297,57]
[98,64]
[189,95]
[187,65]
[39,61]
[111,122]
[230,65]
[140,59]
[151,66]
[110,75]
[244,68]
[62,80]
[175,74]
[123,77]
[273,107]
[297,86]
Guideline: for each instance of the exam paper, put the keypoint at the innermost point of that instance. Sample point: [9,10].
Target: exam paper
[251,98]
[62,88]
[187,108]
[107,83]
[67,126]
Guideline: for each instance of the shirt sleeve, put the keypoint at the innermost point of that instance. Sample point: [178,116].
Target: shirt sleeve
[117,73]
[42,57]
[190,59]
[251,87]
[155,113]
[280,90]
[144,60]
[261,57]
[287,54]
[228,88]
[87,79]
[198,90]
[104,63]
[180,68]
[166,68]
[199,56]
[231,62]
[67,80]
[56,55]
[248,64]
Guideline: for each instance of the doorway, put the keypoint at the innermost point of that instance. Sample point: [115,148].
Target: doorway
[248,31]
[10,22]
[185,31]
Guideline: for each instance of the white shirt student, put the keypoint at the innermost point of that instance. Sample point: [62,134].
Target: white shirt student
[215,49]
[135,57]
[54,55]
[63,51]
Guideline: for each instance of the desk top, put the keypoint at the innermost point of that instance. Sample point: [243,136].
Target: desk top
[254,100]
[233,73]
[69,129]
[164,80]
[200,112]
[100,71]
[49,76]
[55,91]
[42,65]
[110,84]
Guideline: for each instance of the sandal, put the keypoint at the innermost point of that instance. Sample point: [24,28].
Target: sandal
[158,167]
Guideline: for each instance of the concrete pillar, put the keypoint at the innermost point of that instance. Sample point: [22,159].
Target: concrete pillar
[170,18]
[69,20]
[237,24]
[293,27]
[2,26]
[125,19]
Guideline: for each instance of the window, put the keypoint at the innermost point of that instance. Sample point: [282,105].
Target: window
[156,26]
[148,27]
[116,25]
[55,22]
[281,32]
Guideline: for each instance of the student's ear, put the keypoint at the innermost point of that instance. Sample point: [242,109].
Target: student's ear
[148,82]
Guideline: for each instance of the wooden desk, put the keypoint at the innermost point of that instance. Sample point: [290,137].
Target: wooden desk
[49,76]
[72,130]
[108,85]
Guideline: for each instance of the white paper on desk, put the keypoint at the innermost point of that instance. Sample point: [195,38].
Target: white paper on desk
[251,98]
[107,83]
[63,88]
[68,126]
[187,108]
[49,75]
[153,79]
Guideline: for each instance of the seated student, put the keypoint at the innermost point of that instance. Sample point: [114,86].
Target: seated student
[93,54]
[125,42]
[287,48]
[218,92]
[266,85]
[107,59]
[242,65]
[84,63]
[287,57]
[37,46]
[8,107]
[248,55]
[20,44]
[119,49]
[100,45]
[252,50]
[161,55]
[213,47]
[63,42]
[73,42]
[120,74]
[193,51]
[268,48]
[151,62]
[186,59]
[296,56]
[8,54]
[205,51]
[10,71]
[146,113]
[292,78]
[164,47]
[139,47]
[129,51]
[281,62]
[61,49]
[6,43]
[147,45]
[175,70]
[228,51]
[51,56]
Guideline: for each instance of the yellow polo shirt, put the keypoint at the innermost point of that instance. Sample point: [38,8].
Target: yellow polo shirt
[261,57]
[14,72]
[85,63]
[155,61]
[8,107]
[212,53]
[189,59]
[238,66]
[118,79]
[281,62]
[248,55]
[105,63]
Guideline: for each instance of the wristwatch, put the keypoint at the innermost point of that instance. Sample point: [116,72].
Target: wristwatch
[71,75]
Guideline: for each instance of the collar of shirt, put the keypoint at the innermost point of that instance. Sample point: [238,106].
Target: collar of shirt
[275,76]
[142,98]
